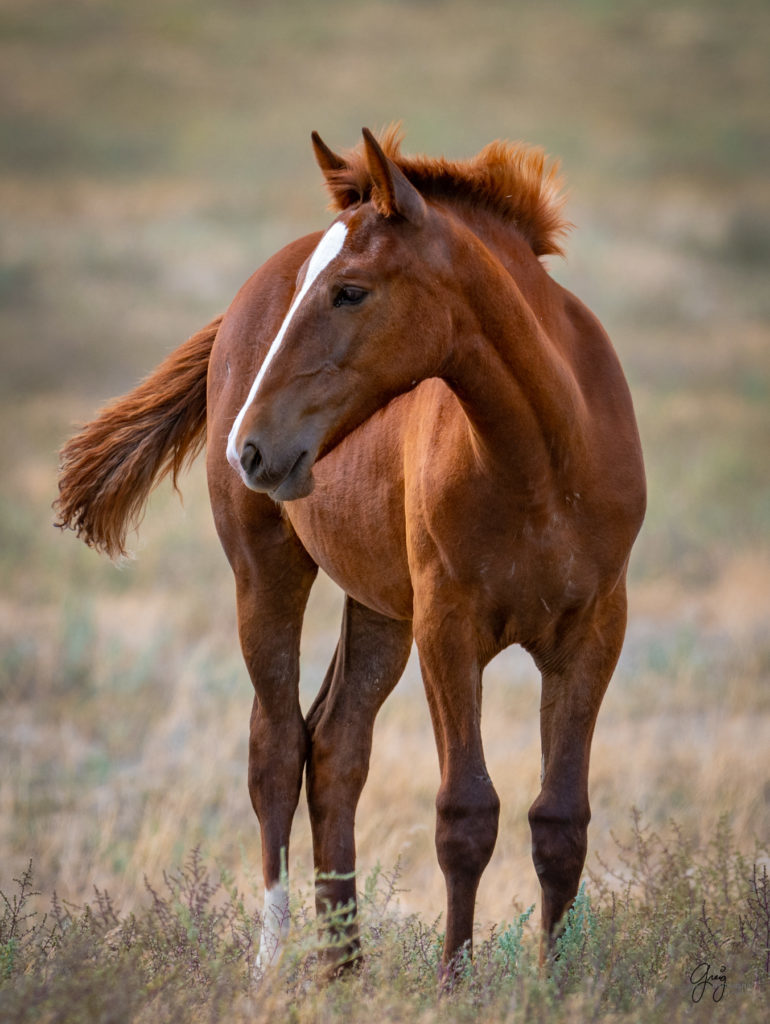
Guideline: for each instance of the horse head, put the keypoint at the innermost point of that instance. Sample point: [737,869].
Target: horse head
[364,325]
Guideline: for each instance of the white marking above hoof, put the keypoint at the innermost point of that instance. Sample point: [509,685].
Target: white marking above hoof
[275,927]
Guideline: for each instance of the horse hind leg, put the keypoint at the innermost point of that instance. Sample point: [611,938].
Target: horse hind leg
[570,703]
[371,655]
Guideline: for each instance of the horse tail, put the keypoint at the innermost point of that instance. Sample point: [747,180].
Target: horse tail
[108,470]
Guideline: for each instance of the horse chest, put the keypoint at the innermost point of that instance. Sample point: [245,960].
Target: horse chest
[359,546]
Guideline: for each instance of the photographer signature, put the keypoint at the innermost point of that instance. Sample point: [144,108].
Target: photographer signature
[704,979]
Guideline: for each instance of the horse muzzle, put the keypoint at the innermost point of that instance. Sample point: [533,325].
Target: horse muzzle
[285,476]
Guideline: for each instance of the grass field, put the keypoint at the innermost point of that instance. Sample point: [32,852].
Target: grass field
[151,155]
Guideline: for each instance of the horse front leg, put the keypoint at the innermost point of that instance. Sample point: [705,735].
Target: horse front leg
[467,806]
[571,697]
[272,591]
[370,657]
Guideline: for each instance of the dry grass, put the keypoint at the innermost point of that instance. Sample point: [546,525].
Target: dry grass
[654,949]
[151,156]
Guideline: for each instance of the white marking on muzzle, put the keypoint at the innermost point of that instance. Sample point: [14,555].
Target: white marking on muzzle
[327,249]
[275,926]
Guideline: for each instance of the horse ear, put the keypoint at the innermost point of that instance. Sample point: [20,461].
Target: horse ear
[343,193]
[326,158]
[393,193]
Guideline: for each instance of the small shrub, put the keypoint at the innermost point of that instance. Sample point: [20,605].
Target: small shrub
[634,946]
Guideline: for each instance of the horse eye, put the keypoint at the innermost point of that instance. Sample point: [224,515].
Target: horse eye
[350,296]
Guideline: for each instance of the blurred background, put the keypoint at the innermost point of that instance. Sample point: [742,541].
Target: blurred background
[152,154]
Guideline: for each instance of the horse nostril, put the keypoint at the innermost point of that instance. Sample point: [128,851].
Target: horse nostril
[251,458]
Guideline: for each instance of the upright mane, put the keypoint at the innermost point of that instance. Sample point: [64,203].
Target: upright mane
[511,179]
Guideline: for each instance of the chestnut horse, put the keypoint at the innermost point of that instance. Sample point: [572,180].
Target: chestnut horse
[409,401]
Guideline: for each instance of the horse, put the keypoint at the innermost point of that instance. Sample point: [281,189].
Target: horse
[409,401]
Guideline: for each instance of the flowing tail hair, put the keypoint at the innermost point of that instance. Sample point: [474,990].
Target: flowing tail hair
[108,470]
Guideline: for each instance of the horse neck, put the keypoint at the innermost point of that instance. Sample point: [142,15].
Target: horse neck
[521,399]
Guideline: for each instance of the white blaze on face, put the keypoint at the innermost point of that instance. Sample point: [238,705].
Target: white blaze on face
[328,248]
[275,926]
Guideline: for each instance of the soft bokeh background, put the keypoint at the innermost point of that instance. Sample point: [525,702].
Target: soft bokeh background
[151,155]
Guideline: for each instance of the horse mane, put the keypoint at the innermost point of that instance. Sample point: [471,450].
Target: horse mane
[512,179]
